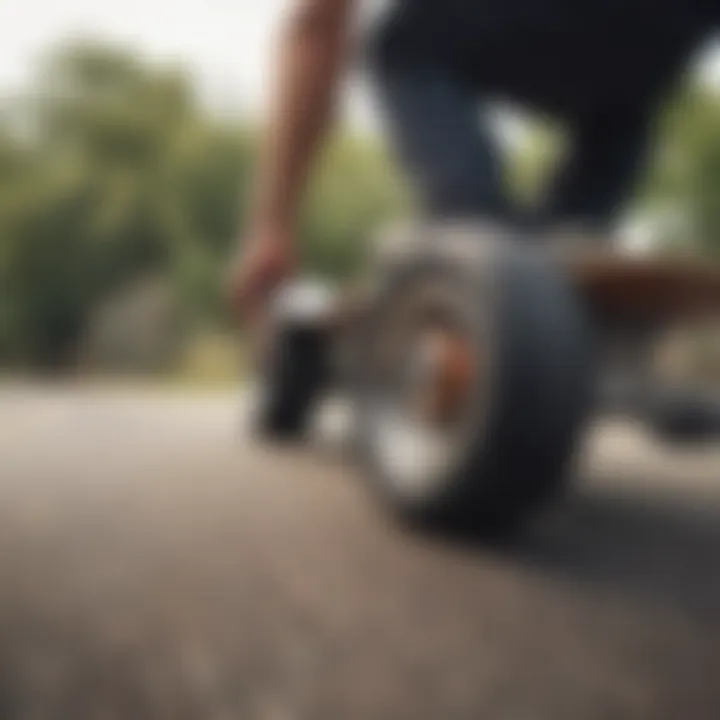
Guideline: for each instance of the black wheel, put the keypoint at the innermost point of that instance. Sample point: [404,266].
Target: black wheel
[684,418]
[297,368]
[476,381]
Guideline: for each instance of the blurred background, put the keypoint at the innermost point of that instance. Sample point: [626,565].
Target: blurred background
[127,140]
[126,148]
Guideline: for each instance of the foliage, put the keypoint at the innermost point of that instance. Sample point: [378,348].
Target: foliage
[110,170]
[685,176]
[354,191]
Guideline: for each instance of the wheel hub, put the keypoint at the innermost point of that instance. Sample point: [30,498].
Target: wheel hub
[441,375]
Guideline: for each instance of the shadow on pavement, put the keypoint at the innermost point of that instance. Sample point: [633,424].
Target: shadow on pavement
[662,548]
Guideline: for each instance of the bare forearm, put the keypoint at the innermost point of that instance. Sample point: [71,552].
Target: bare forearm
[312,56]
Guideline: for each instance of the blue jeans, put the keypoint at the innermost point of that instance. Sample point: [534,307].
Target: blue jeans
[440,127]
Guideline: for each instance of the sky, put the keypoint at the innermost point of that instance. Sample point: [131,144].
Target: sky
[224,42]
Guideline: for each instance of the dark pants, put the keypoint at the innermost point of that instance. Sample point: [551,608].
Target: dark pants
[441,129]
[437,82]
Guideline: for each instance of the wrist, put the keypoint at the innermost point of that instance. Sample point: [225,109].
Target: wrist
[268,214]
[271,225]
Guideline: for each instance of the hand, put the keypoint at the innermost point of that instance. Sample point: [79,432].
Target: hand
[266,260]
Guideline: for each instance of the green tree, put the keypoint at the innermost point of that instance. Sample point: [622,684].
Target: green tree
[685,176]
[355,190]
[111,171]
[115,172]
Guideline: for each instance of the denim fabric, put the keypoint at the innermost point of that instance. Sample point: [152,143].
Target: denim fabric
[440,65]
[441,131]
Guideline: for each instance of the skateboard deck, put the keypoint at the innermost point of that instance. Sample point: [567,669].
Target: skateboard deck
[658,287]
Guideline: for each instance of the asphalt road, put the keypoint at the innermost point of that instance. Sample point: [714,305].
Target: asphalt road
[156,563]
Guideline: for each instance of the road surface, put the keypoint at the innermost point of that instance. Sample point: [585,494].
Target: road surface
[156,563]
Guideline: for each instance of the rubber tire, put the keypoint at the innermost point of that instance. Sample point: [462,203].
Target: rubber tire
[542,388]
[684,419]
